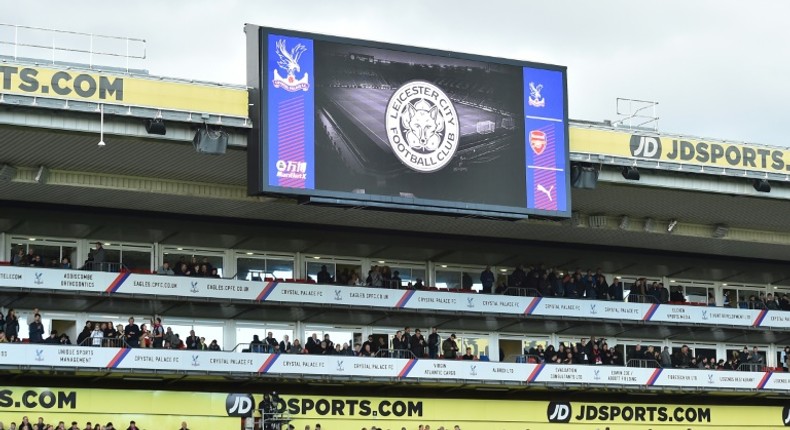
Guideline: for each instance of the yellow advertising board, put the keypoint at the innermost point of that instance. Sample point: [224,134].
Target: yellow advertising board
[680,150]
[122,89]
[202,410]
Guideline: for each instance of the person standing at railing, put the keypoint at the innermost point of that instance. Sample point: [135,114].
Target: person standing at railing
[487,279]
[85,334]
[11,325]
[158,333]
[36,330]
[616,289]
[450,348]
[99,256]
[132,334]
[418,344]
[434,342]
[96,335]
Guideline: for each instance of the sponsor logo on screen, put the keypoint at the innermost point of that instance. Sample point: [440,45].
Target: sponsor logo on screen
[289,62]
[538,142]
[535,98]
[291,169]
[422,126]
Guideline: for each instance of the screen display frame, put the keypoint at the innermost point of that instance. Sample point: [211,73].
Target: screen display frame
[257,143]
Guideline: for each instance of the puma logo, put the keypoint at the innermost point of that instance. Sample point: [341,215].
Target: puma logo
[545,191]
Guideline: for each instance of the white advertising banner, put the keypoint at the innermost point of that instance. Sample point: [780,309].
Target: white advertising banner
[587,309]
[467,370]
[706,315]
[283,292]
[55,355]
[146,359]
[604,375]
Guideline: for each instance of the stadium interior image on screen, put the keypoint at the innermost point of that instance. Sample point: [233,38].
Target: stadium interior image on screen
[357,121]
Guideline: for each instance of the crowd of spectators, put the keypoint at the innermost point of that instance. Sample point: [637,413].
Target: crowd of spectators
[26,424]
[193,268]
[32,259]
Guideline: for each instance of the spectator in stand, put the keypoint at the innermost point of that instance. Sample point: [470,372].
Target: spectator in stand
[132,426]
[296,348]
[65,263]
[418,344]
[313,344]
[3,338]
[434,342]
[676,295]
[25,424]
[96,335]
[616,289]
[99,256]
[36,330]
[638,291]
[324,277]
[450,348]
[588,286]
[193,342]
[396,281]
[132,334]
[468,355]
[203,271]
[184,270]
[165,269]
[85,334]
[11,325]
[177,342]
[329,343]
[771,303]
[256,345]
[285,344]
[214,273]
[366,351]
[601,287]
[270,342]
[40,424]
[418,285]
[755,357]
[30,258]
[487,279]
[2,322]
[214,346]
[518,278]
[19,258]
[158,334]
[683,358]
[375,278]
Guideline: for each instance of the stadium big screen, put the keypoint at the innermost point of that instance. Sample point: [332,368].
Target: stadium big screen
[364,123]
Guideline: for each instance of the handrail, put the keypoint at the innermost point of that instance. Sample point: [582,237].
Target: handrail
[529,358]
[104,267]
[111,342]
[522,292]
[395,353]
[643,362]
[641,298]
[751,367]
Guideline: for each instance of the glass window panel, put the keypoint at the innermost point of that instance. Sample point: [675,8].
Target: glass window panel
[279,268]
[447,279]
[697,294]
[251,269]
[313,267]
[136,260]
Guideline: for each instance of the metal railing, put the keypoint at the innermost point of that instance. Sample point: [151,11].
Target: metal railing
[640,298]
[522,292]
[70,43]
[529,358]
[751,367]
[395,353]
[106,342]
[104,267]
[643,363]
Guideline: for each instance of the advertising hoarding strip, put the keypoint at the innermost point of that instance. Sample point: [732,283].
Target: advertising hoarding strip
[268,363]
[267,290]
[759,320]
[118,358]
[407,368]
[117,282]
[532,305]
[650,312]
[654,377]
[405,299]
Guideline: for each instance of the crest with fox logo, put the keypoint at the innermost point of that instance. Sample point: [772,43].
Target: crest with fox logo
[422,126]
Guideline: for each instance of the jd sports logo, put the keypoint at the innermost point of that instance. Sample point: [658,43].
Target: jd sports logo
[239,405]
[645,146]
[559,412]
[786,416]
